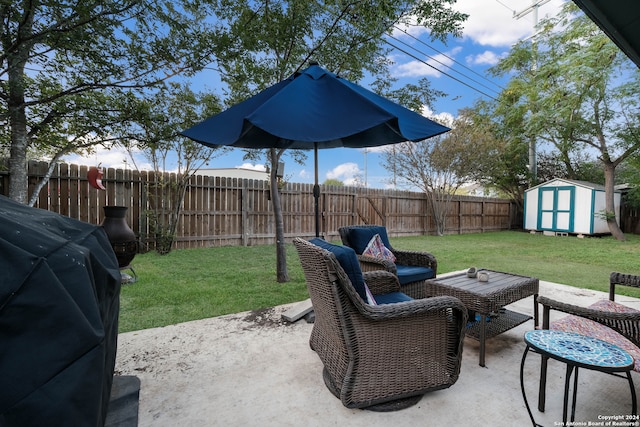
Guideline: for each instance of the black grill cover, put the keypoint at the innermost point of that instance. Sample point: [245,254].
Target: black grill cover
[59,305]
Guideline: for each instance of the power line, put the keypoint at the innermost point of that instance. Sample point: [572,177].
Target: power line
[514,12]
[422,60]
[449,58]
[445,65]
[533,8]
[438,70]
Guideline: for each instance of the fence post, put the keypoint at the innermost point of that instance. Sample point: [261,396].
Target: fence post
[244,214]
[460,218]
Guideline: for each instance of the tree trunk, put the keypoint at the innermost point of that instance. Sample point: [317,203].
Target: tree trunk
[18,184]
[174,216]
[45,179]
[16,61]
[281,249]
[439,217]
[609,175]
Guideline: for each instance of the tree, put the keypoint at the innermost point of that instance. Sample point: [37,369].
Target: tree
[269,40]
[72,73]
[583,168]
[501,147]
[333,181]
[576,91]
[172,108]
[438,166]
[498,150]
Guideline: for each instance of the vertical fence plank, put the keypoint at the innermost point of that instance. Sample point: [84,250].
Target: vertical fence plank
[75,192]
[63,189]
[143,225]
[230,211]
[54,191]
[247,202]
[37,171]
[135,212]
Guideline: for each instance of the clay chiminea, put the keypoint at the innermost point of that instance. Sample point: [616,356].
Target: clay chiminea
[123,239]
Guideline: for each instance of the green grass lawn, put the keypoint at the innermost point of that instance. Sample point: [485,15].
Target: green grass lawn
[193,284]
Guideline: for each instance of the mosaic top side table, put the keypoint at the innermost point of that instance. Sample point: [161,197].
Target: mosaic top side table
[576,351]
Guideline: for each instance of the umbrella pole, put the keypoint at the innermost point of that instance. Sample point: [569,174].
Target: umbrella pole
[316,188]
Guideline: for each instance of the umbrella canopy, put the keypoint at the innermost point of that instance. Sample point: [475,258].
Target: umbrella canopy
[314,109]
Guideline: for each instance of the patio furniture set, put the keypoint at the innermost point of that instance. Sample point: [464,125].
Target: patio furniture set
[388,329]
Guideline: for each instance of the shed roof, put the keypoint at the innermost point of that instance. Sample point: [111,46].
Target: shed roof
[575,182]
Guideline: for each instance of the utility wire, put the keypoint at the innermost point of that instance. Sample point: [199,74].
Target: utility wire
[423,61]
[449,58]
[514,12]
[438,70]
[443,64]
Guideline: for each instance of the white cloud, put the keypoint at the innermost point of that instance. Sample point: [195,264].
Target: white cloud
[377,149]
[304,174]
[348,173]
[401,30]
[492,23]
[414,69]
[443,118]
[251,166]
[428,67]
[116,157]
[487,57]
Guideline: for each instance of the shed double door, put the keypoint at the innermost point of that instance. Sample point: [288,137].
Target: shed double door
[556,209]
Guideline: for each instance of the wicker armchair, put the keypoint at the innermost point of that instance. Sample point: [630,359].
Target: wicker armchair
[411,267]
[606,320]
[380,357]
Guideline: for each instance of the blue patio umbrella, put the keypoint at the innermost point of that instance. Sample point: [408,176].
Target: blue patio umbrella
[314,109]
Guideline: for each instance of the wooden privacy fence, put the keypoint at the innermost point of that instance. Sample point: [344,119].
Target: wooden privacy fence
[231,211]
[629,218]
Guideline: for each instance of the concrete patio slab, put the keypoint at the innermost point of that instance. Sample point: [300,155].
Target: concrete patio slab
[254,369]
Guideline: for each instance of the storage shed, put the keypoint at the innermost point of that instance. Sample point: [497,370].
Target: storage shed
[567,206]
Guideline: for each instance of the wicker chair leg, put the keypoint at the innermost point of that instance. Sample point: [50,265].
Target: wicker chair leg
[331,385]
[394,405]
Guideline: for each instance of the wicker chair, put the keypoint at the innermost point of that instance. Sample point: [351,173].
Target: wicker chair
[606,320]
[411,267]
[380,357]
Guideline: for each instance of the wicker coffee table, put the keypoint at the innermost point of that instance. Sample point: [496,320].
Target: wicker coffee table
[487,299]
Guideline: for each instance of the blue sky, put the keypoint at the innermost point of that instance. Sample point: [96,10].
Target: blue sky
[457,68]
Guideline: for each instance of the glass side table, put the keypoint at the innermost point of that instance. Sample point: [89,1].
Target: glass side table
[576,351]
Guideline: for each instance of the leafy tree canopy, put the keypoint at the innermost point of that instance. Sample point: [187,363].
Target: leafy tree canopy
[72,74]
[574,90]
[333,181]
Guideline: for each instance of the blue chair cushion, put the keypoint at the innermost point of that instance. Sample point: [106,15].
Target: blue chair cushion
[359,238]
[348,261]
[392,297]
[410,273]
